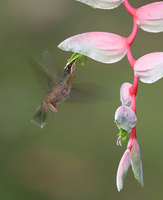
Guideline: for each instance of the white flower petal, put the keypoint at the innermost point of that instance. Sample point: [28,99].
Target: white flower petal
[123,168]
[150,17]
[149,68]
[125,118]
[100,46]
[102,4]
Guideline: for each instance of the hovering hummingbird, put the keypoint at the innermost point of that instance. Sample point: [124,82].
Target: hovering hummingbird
[58,92]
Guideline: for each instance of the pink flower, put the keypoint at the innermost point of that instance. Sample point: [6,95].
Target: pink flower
[150,17]
[149,68]
[100,46]
[123,168]
[125,97]
[125,118]
[102,4]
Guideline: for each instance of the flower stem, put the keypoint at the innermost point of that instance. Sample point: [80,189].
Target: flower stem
[130,57]
[132,36]
[129,8]
[132,136]
[133,90]
[134,87]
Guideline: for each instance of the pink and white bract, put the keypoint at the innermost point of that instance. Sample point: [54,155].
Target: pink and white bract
[136,162]
[123,168]
[125,118]
[130,156]
[102,4]
[100,46]
[125,96]
[150,17]
[149,68]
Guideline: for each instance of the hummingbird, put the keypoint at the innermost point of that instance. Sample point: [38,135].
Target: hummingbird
[58,92]
[59,89]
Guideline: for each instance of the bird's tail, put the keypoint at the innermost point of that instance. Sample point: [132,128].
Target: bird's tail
[41,115]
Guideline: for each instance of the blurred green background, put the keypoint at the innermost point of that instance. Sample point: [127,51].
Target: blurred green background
[74,157]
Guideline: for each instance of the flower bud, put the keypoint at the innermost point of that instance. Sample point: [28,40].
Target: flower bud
[125,118]
[123,168]
[102,4]
[125,97]
[150,17]
[100,46]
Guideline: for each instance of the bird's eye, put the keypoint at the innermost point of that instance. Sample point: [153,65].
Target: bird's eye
[69,66]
